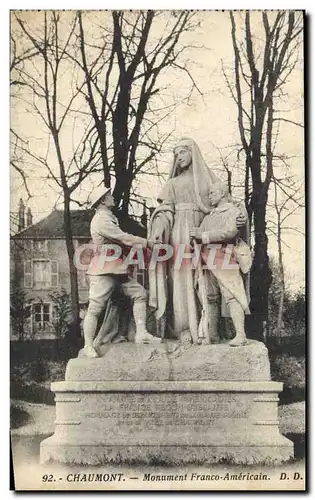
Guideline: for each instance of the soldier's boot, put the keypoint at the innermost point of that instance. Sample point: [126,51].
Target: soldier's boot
[238,318]
[213,324]
[89,329]
[140,316]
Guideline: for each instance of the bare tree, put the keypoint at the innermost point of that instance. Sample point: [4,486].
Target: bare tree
[19,55]
[262,66]
[105,87]
[44,79]
[285,206]
[124,90]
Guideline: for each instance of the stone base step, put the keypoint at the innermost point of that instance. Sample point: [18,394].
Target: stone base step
[165,455]
[172,422]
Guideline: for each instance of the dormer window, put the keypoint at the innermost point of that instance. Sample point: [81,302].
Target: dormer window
[28,245]
[39,245]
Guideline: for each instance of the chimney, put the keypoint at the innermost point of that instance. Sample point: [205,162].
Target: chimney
[21,224]
[29,217]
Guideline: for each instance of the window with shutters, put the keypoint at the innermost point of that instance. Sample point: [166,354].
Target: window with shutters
[40,274]
[54,273]
[28,245]
[28,274]
[82,279]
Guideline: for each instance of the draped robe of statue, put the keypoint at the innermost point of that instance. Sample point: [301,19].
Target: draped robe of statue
[184,203]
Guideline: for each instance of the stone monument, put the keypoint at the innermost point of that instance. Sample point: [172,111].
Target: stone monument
[194,397]
[169,404]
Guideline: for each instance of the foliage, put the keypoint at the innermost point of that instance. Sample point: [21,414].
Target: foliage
[22,353]
[290,370]
[294,314]
[18,417]
[61,312]
[31,379]
[20,309]
[30,371]
[293,320]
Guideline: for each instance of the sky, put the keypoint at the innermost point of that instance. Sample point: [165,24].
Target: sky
[210,119]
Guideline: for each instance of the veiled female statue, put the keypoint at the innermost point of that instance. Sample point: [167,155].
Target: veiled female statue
[184,202]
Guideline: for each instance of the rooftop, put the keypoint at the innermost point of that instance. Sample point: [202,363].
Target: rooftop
[52,227]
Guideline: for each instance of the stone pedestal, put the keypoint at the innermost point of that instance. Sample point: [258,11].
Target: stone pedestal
[168,404]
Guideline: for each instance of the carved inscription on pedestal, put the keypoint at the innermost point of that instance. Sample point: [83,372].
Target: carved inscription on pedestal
[147,410]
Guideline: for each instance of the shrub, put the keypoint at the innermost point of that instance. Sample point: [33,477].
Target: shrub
[289,370]
[18,417]
[293,318]
[61,312]
[20,309]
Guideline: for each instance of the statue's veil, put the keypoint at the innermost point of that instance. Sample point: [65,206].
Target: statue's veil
[203,176]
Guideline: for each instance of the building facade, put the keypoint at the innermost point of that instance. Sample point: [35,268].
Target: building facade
[40,265]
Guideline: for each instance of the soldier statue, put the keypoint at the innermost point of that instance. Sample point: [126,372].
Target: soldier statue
[106,274]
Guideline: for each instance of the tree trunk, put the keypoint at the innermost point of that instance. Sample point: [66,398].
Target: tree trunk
[21,332]
[120,139]
[126,197]
[106,173]
[74,291]
[282,282]
[260,272]
[119,191]
[264,84]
